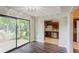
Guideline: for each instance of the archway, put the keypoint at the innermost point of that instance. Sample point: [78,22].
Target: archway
[75,14]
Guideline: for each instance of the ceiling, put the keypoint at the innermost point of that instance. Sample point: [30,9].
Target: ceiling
[75,13]
[43,11]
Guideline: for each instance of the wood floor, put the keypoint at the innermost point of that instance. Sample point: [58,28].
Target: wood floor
[38,47]
[76,47]
[50,46]
[56,42]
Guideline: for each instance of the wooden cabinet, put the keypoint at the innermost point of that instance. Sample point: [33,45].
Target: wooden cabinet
[52,34]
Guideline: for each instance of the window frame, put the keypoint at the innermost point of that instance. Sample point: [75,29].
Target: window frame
[16,18]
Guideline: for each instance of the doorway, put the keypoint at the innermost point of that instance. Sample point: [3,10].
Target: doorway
[76,35]
[51,31]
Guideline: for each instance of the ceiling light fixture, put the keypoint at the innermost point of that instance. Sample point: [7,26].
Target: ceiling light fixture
[32,8]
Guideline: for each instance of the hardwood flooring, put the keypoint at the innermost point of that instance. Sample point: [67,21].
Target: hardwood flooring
[56,42]
[50,46]
[38,47]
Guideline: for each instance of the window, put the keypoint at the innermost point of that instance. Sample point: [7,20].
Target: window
[13,33]
[22,32]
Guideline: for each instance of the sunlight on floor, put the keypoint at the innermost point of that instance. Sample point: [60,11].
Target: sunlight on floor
[55,41]
[51,40]
[76,45]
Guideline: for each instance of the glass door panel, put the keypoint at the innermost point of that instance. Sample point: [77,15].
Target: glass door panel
[22,32]
[7,34]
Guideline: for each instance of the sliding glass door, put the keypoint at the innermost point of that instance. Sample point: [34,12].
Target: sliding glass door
[13,33]
[22,32]
[7,34]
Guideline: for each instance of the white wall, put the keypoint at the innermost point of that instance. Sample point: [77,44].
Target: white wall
[66,33]
[77,31]
[40,30]
[32,30]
